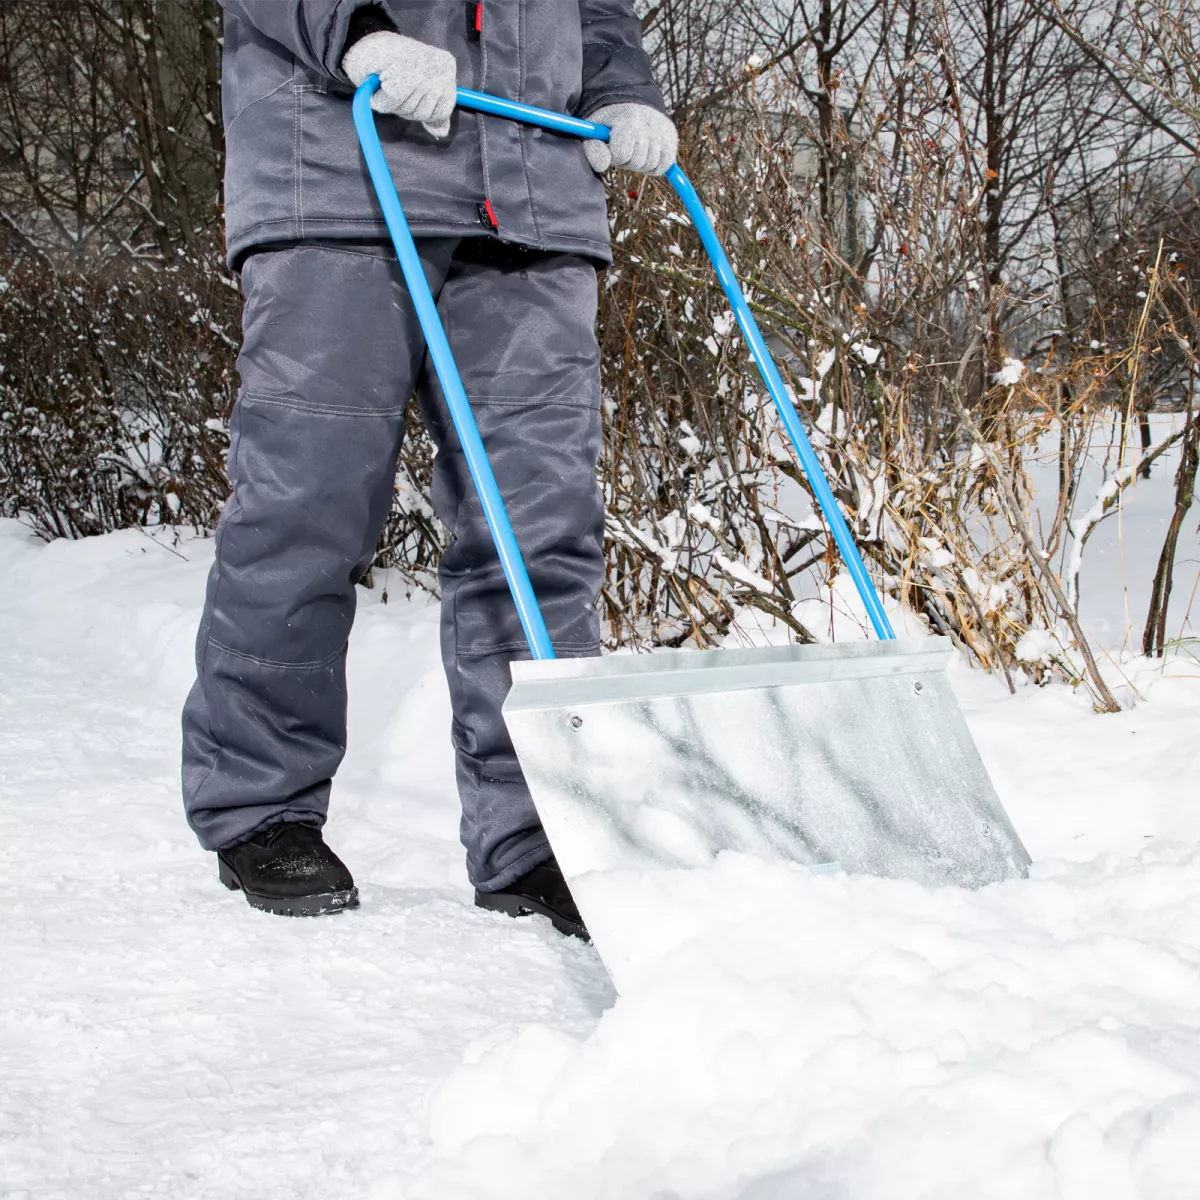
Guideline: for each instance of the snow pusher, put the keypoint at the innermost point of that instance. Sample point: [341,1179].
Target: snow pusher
[854,754]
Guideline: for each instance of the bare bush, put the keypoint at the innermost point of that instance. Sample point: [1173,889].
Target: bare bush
[115,395]
[890,334]
[967,227]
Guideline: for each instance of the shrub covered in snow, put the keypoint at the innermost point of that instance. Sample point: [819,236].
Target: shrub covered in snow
[116,387]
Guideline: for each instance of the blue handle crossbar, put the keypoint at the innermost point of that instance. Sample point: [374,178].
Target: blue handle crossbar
[456,398]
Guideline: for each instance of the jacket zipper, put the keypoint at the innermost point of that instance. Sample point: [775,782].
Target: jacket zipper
[487,214]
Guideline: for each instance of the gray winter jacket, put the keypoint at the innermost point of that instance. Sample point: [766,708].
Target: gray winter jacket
[294,170]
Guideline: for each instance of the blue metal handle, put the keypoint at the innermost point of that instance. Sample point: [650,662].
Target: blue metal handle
[783,404]
[495,106]
[514,110]
[536,633]
[456,398]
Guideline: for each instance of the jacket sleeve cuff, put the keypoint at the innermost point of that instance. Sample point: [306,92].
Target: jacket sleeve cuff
[616,74]
[352,21]
[364,21]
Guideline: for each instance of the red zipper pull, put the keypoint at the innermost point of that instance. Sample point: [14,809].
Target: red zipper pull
[487,216]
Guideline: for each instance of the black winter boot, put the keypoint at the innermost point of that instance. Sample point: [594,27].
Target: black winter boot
[542,891]
[289,870]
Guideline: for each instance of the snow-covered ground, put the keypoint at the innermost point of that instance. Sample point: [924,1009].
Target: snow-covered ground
[822,1037]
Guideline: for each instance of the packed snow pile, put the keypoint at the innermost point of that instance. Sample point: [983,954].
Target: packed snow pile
[836,1037]
[791,1034]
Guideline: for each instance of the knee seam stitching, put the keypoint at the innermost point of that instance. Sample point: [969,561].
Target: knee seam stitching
[510,647]
[275,664]
[323,410]
[568,401]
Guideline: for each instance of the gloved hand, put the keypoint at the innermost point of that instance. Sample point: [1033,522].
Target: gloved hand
[643,140]
[417,81]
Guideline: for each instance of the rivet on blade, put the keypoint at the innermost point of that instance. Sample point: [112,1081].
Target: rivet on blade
[576,721]
[918,688]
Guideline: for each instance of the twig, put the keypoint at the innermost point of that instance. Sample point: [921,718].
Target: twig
[1012,510]
[1008,499]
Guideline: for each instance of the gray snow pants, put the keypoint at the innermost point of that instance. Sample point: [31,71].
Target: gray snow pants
[332,352]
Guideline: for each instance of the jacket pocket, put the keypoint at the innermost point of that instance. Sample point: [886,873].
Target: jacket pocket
[315,81]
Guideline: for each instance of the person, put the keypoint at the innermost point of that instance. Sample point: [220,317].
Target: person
[511,226]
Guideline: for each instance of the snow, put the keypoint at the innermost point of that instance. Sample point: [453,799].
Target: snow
[1038,646]
[743,574]
[703,515]
[803,1035]
[1011,372]
[833,611]
[1037,1039]
[936,554]
[868,353]
[723,323]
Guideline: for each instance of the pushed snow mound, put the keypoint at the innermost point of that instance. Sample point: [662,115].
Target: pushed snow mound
[833,1037]
[783,1036]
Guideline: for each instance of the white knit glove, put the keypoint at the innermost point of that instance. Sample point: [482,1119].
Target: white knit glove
[417,81]
[643,140]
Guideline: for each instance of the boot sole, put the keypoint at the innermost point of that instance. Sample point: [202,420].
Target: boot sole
[317,905]
[521,906]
